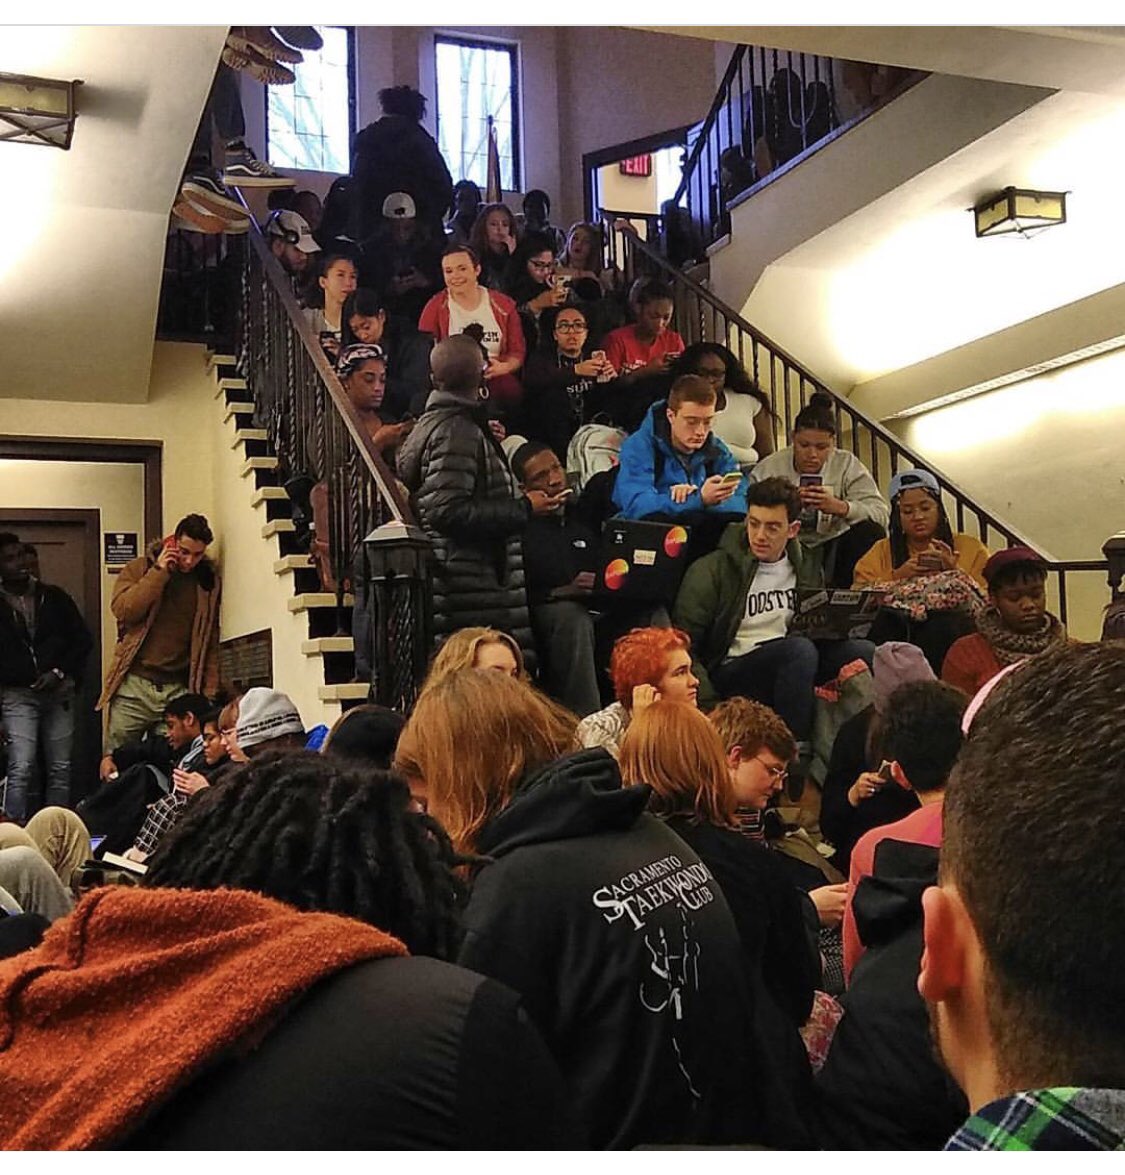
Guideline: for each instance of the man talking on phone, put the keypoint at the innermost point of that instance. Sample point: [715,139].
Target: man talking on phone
[166,603]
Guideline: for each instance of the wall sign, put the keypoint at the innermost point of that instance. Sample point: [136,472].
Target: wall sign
[120,547]
[638,165]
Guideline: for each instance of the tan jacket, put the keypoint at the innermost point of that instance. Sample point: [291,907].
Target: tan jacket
[136,603]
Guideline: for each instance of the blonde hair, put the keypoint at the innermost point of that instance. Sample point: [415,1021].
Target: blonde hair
[673,748]
[460,652]
[472,737]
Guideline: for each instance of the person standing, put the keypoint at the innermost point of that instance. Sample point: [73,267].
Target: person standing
[44,643]
[166,602]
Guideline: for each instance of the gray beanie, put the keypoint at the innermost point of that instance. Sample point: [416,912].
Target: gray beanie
[265,714]
[896,663]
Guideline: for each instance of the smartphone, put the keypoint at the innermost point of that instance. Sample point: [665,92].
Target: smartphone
[170,544]
[732,478]
[598,356]
[885,771]
[812,479]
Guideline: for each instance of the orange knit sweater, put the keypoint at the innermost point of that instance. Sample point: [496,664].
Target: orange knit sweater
[138,990]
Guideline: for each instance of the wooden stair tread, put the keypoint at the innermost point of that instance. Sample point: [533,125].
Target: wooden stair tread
[344,691]
[238,408]
[289,563]
[304,601]
[278,526]
[269,494]
[327,644]
[252,463]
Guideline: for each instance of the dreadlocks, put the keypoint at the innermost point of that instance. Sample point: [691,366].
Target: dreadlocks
[321,835]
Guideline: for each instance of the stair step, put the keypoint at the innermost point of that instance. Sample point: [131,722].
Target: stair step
[289,563]
[218,360]
[229,383]
[242,435]
[269,494]
[252,463]
[354,691]
[306,601]
[238,408]
[278,526]
[327,644]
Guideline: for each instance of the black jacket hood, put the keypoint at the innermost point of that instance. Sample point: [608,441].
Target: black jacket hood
[888,903]
[578,795]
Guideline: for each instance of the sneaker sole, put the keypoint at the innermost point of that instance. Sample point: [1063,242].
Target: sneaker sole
[253,181]
[268,46]
[193,220]
[231,224]
[208,201]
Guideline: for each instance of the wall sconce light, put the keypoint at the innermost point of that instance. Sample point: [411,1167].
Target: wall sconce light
[36,110]
[1018,210]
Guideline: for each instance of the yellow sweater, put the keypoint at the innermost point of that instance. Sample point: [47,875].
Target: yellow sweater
[875,566]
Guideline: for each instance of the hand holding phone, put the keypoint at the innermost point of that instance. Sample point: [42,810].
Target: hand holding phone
[169,557]
[732,478]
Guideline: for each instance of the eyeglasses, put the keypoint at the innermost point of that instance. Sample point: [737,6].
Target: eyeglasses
[777,774]
[568,328]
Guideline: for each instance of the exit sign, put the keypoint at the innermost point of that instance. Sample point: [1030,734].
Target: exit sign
[638,165]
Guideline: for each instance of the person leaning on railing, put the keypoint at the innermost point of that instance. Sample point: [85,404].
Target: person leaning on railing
[843,512]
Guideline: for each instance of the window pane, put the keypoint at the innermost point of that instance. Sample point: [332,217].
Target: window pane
[308,124]
[473,82]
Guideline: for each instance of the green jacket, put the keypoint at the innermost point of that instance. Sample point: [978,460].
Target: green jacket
[712,599]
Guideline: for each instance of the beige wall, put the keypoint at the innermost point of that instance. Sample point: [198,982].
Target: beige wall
[178,393]
[1045,456]
[117,491]
[627,193]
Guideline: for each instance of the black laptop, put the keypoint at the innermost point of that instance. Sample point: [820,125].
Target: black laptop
[835,613]
[641,561]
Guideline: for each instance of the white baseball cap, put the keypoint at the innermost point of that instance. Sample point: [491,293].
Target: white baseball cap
[399,206]
[294,228]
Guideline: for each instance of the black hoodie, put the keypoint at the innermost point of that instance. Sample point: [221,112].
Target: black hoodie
[881,1087]
[625,954]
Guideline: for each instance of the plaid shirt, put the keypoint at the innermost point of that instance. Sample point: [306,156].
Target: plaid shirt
[1060,1119]
[161,819]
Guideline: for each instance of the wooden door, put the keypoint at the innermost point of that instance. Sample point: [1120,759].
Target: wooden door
[68,543]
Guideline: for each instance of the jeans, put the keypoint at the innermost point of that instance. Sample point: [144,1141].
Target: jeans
[782,673]
[223,111]
[33,718]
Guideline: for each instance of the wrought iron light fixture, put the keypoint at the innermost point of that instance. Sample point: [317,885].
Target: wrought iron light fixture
[1019,210]
[36,110]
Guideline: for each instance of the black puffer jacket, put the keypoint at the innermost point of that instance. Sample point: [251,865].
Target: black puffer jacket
[462,491]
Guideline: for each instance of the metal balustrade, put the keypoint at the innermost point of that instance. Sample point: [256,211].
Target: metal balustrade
[372,542]
[700,316]
[771,110]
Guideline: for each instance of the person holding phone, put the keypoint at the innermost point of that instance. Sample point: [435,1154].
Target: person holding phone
[649,346]
[922,544]
[564,381]
[673,468]
[842,511]
[166,603]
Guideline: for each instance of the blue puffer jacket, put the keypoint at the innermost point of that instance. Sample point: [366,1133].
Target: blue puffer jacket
[650,467]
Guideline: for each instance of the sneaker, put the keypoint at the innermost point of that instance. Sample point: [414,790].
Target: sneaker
[203,190]
[264,41]
[243,170]
[194,220]
[258,66]
[300,36]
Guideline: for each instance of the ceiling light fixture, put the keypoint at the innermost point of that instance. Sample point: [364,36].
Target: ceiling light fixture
[36,110]
[1020,211]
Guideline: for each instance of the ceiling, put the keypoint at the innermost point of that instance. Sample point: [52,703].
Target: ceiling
[81,264]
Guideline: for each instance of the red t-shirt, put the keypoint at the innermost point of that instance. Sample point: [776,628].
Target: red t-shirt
[921,827]
[626,352]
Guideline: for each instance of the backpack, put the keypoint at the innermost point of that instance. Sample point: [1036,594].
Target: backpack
[594,448]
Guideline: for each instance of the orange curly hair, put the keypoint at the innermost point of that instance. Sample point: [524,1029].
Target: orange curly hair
[640,657]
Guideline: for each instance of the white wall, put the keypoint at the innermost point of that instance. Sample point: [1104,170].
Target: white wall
[1044,455]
